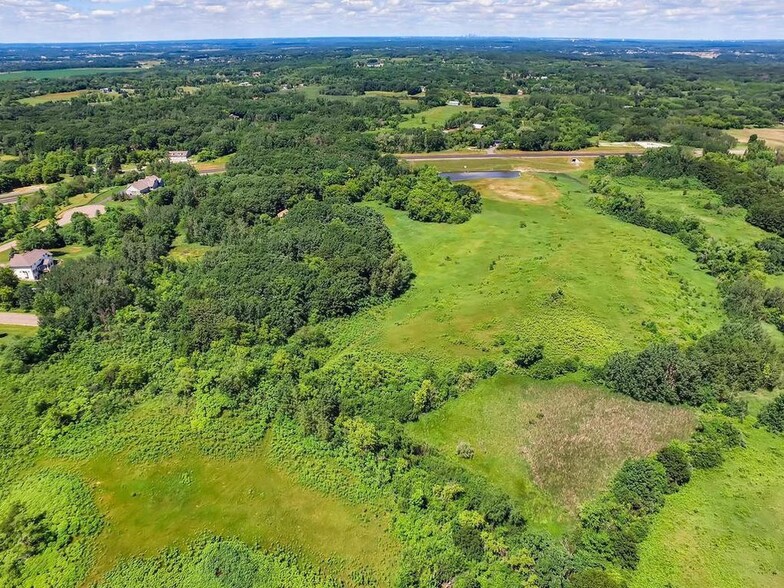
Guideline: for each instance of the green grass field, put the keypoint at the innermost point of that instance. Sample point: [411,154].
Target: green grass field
[435,117]
[552,445]
[63,73]
[12,333]
[152,506]
[55,97]
[725,528]
[184,252]
[495,276]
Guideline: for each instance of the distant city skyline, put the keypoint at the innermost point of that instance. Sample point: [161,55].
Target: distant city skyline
[40,21]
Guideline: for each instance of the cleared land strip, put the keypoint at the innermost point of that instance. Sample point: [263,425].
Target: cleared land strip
[18,319]
[12,197]
[515,155]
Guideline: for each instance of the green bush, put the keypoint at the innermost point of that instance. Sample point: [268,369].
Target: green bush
[675,459]
[772,415]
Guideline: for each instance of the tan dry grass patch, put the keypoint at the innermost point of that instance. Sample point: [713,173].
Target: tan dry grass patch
[774,137]
[526,188]
[575,439]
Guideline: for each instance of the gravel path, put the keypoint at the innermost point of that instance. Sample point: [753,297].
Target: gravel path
[18,319]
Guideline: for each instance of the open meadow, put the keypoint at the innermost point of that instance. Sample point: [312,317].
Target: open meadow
[39,74]
[538,264]
[54,97]
[552,445]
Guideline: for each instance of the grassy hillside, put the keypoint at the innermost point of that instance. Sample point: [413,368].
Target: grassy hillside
[725,528]
[549,445]
[541,265]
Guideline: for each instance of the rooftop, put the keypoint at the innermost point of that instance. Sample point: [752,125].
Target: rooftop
[27,259]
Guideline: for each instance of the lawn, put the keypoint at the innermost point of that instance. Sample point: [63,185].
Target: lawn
[55,97]
[551,446]
[213,166]
[71,253]
[538,264]
[725,529]
[11,333]
[434,117]
[151,506]
[39,74]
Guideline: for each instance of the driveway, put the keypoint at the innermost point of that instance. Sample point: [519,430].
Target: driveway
[19,319]
[11,197]
[89,210]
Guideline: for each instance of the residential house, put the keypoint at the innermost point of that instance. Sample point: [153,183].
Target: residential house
[478,126]
[143,186]
[453,102]
[32,264]
[178,156]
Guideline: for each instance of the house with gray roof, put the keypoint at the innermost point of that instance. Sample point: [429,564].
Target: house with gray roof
[31,265]
[143,186]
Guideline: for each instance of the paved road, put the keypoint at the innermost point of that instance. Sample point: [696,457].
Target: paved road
[12,197]
[515,155]
[18,319]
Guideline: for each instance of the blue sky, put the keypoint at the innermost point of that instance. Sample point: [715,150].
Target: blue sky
[121,20]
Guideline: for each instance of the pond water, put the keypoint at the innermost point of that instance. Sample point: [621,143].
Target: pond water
[480,175]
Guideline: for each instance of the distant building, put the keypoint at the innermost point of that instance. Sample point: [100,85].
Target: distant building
[143,186]
[453,102]
[32,264]
[178,156]
[282,213]
[478,126]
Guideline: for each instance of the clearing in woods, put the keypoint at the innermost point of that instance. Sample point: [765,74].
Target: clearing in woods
[550,445]
[724,528]
[542,268]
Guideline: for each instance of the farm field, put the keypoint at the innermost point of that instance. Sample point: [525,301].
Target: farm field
[63,73]
[556,164]
[774,137]
[550,445]
[54,97]
[495,275]
[725,528]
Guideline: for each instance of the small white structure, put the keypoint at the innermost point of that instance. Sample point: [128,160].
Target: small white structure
[178,156]
[32,264]
[143,186]
[478,126]
[453,102]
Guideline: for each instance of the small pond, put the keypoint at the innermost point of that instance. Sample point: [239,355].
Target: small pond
[480,175]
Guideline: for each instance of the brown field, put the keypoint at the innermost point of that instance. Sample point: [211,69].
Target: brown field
[551,445]
[566,434]
[527,188]
[553,164]
[773,137]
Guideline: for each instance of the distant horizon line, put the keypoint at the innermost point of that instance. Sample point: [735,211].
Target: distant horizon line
[391,37]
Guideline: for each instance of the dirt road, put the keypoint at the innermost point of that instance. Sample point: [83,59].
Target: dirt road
[513,155]
[11,197]
[18,319]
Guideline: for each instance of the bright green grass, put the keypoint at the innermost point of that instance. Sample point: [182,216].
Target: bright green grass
[551,446]
[728,224]
[5,157]
[55,97]
[72,252]
[151,506]
[5,256]
[556,163]
[185,252]
[494,276]
[725,529]
[62,73]
[11,333]
[435,117]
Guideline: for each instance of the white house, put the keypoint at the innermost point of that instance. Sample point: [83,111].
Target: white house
[143,186]
[453,102]
[478,126]
[178,156]
[32,264]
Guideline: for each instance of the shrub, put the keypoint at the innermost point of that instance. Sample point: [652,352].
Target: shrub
[641,484]
[528,356]
[772,415]
[465,450]
[675,459]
